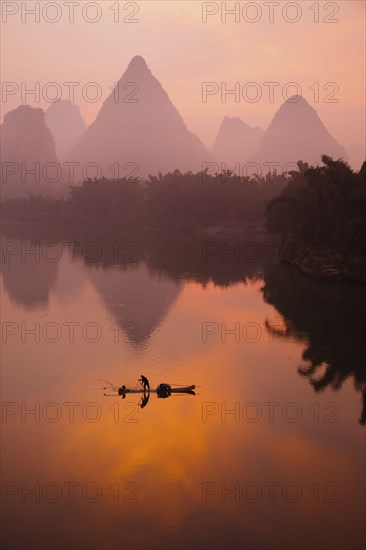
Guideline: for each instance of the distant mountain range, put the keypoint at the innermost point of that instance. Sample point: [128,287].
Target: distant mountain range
[138,132]
[139,124]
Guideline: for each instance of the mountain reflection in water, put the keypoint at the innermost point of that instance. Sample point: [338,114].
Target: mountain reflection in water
[142,279]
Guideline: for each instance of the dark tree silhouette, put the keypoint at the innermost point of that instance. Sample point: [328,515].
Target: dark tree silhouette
[172,200]
[322,206]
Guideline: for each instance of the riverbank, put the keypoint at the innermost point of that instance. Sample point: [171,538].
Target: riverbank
[323,263]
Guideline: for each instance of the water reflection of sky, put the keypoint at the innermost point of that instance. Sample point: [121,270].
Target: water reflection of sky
[169,452]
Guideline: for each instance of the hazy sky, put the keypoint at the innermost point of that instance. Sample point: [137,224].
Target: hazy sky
[183,52]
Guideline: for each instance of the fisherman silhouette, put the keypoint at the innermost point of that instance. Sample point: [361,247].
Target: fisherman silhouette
[144,382]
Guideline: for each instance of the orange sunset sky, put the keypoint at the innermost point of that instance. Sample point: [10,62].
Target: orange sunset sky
[183,52]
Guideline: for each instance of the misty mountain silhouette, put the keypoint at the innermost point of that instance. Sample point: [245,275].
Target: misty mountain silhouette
[236,141]
[66,125]
[139,124]
[297,133]
[25,141]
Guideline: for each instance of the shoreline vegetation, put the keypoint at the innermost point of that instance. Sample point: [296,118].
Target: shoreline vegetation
[321,217]
[174,201]
[318,213]
[323,263]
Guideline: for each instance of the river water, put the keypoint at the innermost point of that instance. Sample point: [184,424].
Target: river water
[268,454]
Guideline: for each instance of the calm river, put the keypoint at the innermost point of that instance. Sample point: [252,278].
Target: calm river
[269,453]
